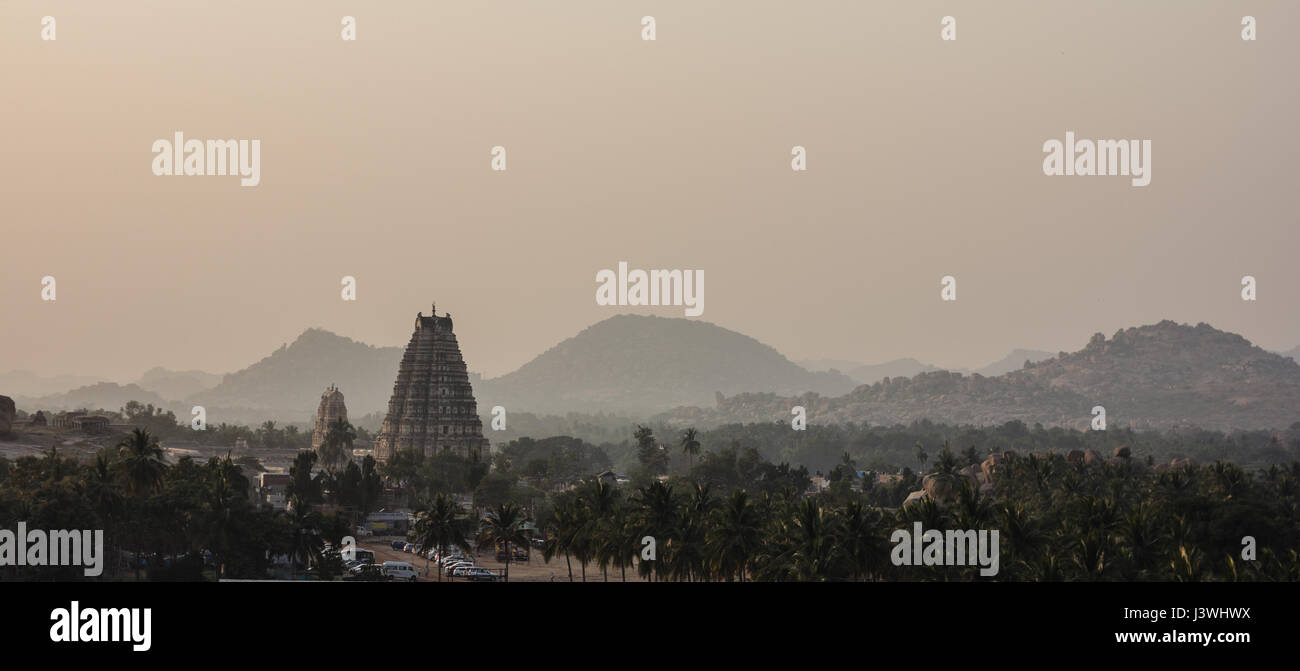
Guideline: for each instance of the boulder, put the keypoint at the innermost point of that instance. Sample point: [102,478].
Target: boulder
[939,488]
[990,465]
[1123,452]
[914,497]
[1075,456]
[1181,463]
[7,414]
[1092,458]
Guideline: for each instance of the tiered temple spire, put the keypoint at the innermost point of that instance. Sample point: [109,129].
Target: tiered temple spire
[432,408]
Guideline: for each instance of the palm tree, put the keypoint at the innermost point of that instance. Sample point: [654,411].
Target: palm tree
[616,539]
[864,543]
[735,536]
[440,525]
[307,542]
[690,445]
[659,518]
[597,499]
[338,443]
[303,490]
[503,527]
[142,458]
[563,527]
[101,490]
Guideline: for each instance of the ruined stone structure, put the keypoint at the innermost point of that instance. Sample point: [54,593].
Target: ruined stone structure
[90,423]
[331,408]
[432,409]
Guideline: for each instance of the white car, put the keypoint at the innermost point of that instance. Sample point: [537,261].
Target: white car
[400,570]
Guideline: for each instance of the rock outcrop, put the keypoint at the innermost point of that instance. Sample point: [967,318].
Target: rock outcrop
[7,414]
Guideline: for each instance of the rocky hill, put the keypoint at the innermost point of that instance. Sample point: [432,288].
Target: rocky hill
[1158,376]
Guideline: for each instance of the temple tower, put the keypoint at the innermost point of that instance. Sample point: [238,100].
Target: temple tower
[331,408]
[432,408]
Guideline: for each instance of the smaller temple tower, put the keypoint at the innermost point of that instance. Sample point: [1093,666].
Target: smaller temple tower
[331,408]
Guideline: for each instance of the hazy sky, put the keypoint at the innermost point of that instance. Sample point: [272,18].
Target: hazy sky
[924,160]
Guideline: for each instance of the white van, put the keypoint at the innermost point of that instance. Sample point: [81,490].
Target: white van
[400,570]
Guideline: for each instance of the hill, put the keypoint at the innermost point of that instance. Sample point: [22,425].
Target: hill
[177,384]
[1013,362]
[287,384]
[1158,376]
[873,373]
[98,396]
[27,384]
[640,365]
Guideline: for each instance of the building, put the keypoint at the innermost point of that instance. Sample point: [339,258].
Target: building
[90,423]
[432,408]
[273,487]
[38,419]
[331,408]
[388,523]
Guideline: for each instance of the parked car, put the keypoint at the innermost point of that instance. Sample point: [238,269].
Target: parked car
[480,575]
[366,572]
[408,547]
[400,570]
[462,570]
[398,545]
[358,554]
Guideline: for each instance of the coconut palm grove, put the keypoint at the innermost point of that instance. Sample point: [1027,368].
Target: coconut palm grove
[712,504]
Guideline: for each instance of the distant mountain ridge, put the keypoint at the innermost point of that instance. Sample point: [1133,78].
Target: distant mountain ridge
[641,365]
[1013,362]
[872,373]
[1158,376]
[177,384]
[26,383]
[909,367]
[101,395]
